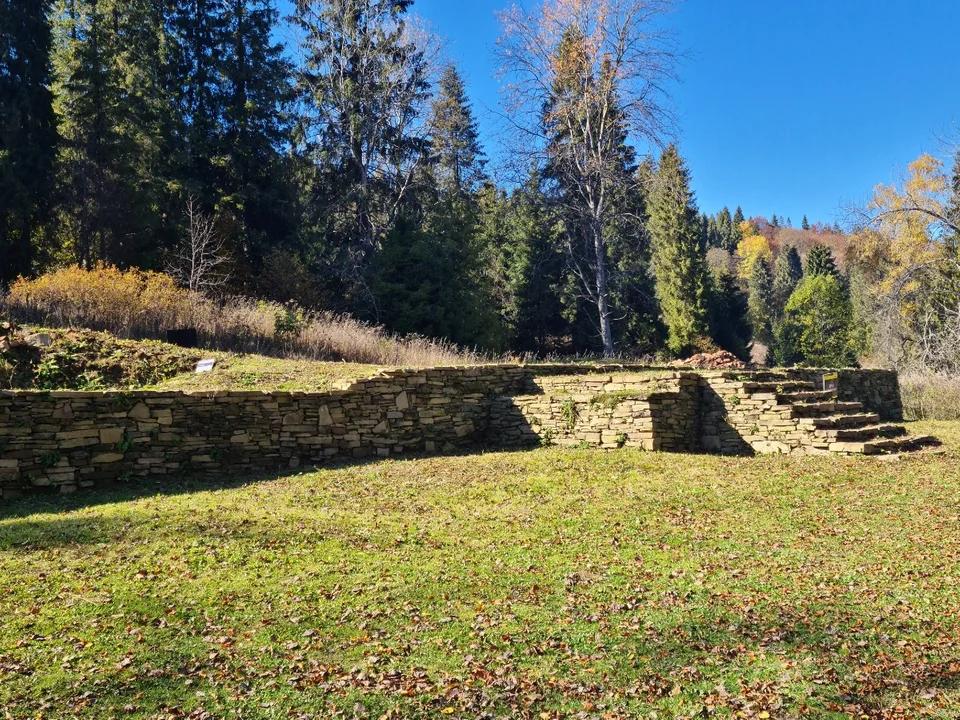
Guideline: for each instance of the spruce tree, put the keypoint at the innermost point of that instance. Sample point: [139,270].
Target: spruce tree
[736,234]
[362,84]
[760,285]
[788,271]
[28,135]
[527,266]
[108,156]
[457,157]
[729,313]
[679,263]
[805,224]
[820,262]
[253,131]
[725,229]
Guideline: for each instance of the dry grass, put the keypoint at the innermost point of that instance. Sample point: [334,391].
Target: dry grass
[930,396]
[136,304]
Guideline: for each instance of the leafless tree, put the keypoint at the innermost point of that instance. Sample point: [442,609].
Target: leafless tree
[581,75]
[201,261]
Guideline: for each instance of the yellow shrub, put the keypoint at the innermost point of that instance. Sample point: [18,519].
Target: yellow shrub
[139,304]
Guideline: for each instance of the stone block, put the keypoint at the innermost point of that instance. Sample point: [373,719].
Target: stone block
[111,436]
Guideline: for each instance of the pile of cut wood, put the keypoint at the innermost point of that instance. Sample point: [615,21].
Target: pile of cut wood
[720,360]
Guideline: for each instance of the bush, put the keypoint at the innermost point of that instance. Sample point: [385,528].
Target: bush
[139,305]
[815,329]
[930,396]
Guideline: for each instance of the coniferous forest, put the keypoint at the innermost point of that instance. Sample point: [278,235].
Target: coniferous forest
[331,159]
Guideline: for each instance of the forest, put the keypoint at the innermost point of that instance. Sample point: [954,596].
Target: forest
[330,161]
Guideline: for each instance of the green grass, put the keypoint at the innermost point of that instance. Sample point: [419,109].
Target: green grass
[259,372]
[544,584]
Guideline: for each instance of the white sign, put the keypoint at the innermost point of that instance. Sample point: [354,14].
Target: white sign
[831,382]
[205,366]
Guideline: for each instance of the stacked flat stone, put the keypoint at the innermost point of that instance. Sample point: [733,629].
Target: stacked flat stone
[63,441]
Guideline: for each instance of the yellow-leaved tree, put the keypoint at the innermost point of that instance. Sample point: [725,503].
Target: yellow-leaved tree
[753,247]
[905,252]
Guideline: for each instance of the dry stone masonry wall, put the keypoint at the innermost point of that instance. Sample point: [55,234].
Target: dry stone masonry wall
[646,410]
[62,441]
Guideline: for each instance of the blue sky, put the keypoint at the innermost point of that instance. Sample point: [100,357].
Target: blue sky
[791,107]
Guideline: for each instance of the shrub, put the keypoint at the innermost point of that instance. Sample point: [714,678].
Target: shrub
[930,396]
[815,329]
[137,304]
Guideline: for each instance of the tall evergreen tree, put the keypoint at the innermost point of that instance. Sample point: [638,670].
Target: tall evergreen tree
[820,262]
[363,84]
[253,130]
[104,60]
[527,267]
[725,229]
[760,286]
[729,313]
[429,276]
[805,224]
[679,263]
[787,272]
[28,135]
[457,157]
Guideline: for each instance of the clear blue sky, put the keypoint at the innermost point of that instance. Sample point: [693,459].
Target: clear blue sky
[790,108]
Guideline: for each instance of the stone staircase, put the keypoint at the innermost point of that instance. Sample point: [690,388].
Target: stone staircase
[824,424]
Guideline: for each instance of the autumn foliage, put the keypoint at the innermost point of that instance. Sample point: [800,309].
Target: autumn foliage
[138,304]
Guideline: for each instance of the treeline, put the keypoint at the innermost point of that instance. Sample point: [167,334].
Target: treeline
[345,173]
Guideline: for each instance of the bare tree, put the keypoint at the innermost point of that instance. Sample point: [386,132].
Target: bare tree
[583,76]
[200,262]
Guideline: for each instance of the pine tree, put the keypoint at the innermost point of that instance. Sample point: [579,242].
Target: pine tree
[362,84]
[805,224]
[788,271]
[775,221]
[455,141]
[760,286]
[253,130]
[28,134]
[527,266]
[736,234]
[108,156]
[725,230]
[729,313]
[429,274]
[820,262]
[679,263]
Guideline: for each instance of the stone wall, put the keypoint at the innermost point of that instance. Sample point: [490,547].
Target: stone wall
[878,390]
[66,440]
[654,411]
[62,441]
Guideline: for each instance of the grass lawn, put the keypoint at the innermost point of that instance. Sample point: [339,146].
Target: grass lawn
[546,584]
[259,372]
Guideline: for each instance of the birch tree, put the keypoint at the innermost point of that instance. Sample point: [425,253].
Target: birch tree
[583,76]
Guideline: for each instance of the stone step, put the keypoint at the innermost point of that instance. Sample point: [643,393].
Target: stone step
[776,387]
[822,409]
[807,396]
[862,434]
[884,446]
[851,420]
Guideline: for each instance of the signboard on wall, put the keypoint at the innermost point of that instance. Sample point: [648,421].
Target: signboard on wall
[831,382]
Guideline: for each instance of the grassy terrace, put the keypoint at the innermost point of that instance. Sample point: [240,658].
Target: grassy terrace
[547,584]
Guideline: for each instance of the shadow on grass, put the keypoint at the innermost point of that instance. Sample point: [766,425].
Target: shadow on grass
[138,488]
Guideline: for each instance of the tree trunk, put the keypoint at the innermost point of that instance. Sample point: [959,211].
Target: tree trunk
[602,303]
